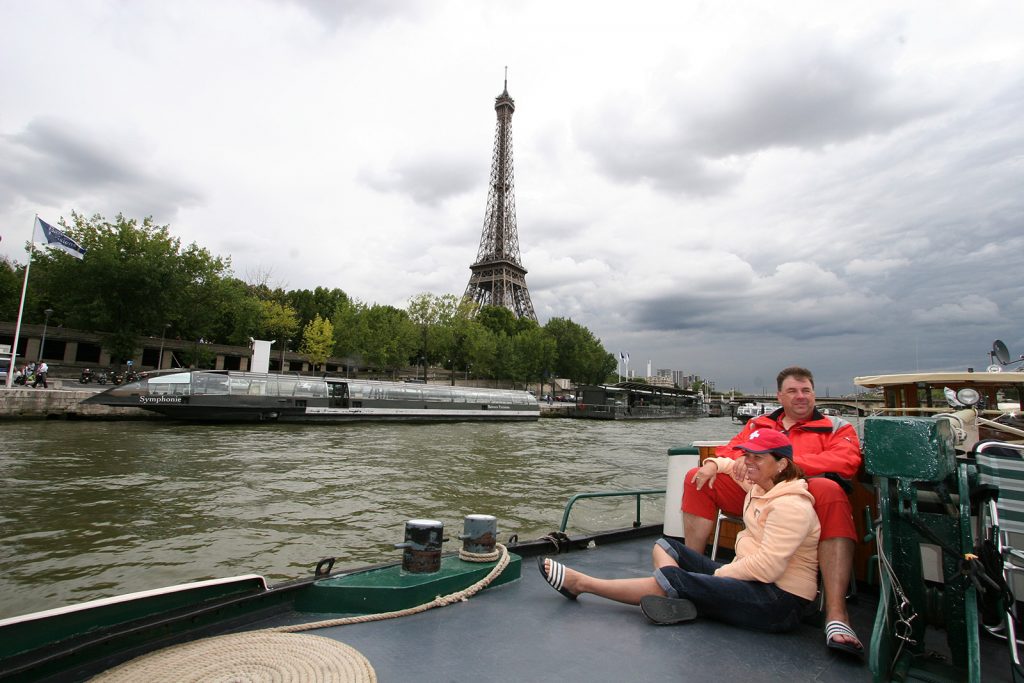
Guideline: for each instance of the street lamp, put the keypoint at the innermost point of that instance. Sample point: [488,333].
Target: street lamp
[48,312]
[160,363]
[284,345]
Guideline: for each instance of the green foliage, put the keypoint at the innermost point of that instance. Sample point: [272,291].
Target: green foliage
[535,353]
[317,341]
[198,356]
[277,321]
[308,304]
[11,278]
[134,279]
[480,351]
[391,338]
[434,318]
[497,319]
[579,354]
[349,327]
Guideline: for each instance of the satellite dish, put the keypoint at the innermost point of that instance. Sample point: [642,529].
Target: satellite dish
[1000,352]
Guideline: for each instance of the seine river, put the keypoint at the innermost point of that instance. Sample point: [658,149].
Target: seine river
[91,509]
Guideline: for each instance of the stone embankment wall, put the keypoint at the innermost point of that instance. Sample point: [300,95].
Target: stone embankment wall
[59,404]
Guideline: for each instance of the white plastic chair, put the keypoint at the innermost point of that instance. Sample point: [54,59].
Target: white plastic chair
[1001,464]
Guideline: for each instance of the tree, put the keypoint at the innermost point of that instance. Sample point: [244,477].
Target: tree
[317,341]
[434,318]
[310,303]
[390,338]
[535,352]
[497,319]
[580,356]
[481,351]
[134,279]
[278,321]
[11,278]
[349,327]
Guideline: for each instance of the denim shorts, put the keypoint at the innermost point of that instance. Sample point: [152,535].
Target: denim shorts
[749,604]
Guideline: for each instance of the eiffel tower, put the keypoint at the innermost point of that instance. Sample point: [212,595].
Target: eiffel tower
[499,278]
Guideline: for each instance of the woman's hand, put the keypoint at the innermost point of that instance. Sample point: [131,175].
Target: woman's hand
[706,475]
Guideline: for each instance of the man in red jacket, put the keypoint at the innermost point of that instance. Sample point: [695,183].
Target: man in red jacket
[821,446]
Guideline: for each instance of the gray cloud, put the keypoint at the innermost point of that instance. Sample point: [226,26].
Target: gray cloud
[428,180]
[346,12]
[52,163]
[685,141]
[808,99]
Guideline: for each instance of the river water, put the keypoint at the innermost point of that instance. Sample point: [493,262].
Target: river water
[92,509]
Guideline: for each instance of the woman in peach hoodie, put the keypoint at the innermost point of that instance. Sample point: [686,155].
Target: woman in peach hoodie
[774,574]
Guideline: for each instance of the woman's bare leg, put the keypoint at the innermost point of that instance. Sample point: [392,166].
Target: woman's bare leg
[660,558]
[628,591]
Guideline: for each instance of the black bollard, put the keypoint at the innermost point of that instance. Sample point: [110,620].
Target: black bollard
[421,552]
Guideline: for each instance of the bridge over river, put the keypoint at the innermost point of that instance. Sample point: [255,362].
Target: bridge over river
[861,405]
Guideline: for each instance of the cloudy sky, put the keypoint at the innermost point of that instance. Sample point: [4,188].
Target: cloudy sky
[723,188]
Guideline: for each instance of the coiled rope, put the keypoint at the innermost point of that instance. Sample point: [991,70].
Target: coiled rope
[283,654]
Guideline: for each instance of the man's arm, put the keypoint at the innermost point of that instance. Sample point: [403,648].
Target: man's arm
[727,451]
[841,454]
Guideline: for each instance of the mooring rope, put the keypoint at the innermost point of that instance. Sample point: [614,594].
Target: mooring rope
[500,553]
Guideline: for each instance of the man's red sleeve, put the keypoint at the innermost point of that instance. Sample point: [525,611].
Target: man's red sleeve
[840,454]
[727,451]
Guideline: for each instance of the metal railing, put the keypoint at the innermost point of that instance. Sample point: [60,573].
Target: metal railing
[609,494]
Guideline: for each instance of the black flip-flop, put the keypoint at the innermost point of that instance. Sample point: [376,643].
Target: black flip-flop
[663,610]
[556,578]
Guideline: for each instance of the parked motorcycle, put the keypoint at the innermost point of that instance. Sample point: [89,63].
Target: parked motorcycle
[86,377]
[101,377]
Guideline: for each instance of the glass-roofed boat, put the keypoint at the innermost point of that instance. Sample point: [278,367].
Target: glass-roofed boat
[228,396]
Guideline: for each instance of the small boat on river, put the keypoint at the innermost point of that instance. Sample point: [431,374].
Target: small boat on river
[746,411]
[229,396]
[637,401]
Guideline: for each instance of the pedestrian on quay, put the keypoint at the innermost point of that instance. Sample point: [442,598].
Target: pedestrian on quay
[41,371]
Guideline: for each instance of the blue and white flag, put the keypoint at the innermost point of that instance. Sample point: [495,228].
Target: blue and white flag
[51,236]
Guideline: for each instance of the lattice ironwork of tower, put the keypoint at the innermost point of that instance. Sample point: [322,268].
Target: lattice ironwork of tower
[499,278]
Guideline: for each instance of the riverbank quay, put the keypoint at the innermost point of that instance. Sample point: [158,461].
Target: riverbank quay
[58,403]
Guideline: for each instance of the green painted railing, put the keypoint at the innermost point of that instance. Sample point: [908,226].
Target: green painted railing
[609,494]
[675,450]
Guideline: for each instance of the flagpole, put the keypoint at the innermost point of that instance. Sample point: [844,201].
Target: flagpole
[21,306]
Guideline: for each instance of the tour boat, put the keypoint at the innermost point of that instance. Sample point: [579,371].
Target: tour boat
[229,396]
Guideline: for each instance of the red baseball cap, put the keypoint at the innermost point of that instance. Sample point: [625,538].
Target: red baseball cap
[767,441]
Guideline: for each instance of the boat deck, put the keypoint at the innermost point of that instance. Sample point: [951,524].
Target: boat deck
[525,631]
